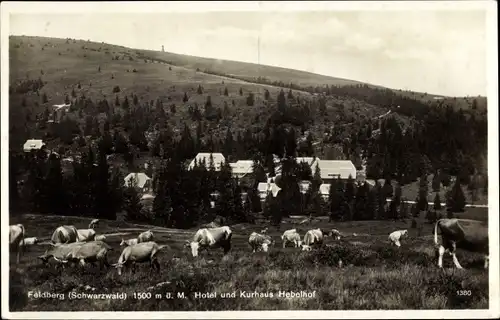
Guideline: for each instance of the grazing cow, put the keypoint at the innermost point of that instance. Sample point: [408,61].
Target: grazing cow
[129,242]
[100,237]
[306,247]
[211,238]
[29,241]
[146,236]
[259,242]
[470,235]
[86,235]
[61,252]
[93,251]
[334,233]
[312,237]
[396,236]
[93,223]
[141,252]
[16,237]
[65,234]
[291,236]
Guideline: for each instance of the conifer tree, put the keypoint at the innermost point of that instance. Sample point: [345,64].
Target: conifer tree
[437,202]
[267,95]
[54,187]
[456,198]
[316,181]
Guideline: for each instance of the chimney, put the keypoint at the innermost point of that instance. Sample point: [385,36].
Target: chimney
[162,48]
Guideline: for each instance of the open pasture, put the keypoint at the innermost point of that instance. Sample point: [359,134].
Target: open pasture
[373,275]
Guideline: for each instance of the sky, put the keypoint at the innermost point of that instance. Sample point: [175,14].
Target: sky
[439,51]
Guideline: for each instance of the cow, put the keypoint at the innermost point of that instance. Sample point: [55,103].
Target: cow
[312,237]
[291,236]
[65,234]
[259,241]
[145,236]
[396,236]
[100,237]
[29,241]
[86,235]
[470,235]
[93,223]
[61,252]
[211,238]
[129,242]
[334,233]
[16,237]
[141,252]
[306,247]
[92,251]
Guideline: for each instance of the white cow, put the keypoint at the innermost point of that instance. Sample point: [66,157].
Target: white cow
[129,242]
[334,233]
[65,234]
[61,252]
[86,235]
[312,237]
[291,236]
[92,251]
[93,223]
[141,252]
[259,242]
[470,235]
[16,237]
[29,241]
[100,237]
[145,236]
[396,237]
[211,238]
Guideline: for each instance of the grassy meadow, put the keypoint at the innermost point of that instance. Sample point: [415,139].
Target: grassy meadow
[373,274]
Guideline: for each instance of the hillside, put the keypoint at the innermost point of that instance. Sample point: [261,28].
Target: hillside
[93,70]
[138,105]
[78,68]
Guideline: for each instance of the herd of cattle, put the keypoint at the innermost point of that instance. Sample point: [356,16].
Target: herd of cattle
[72,245]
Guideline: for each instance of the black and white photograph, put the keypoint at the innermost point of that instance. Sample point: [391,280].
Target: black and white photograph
[321,159]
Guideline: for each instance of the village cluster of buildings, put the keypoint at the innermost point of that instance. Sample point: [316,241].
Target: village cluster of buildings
[329,170]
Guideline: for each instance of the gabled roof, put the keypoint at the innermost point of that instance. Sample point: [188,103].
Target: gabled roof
[218,160]
[335,168]
[140,178]
[33,144]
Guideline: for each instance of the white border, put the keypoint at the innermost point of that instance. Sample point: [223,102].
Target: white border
[143,7]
